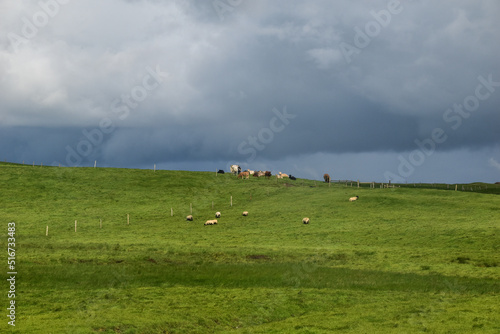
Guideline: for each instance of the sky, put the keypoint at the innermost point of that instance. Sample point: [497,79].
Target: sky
[406,91]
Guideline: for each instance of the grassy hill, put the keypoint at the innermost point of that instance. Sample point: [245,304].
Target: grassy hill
[409,259]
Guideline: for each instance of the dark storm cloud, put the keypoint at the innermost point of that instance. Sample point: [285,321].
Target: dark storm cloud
[227,65]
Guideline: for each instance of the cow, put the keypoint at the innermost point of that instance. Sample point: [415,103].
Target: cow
[235,169]
[327,178]
[251,172]
[352,199]
[268,174]
[220,171]
[284,175]
[279,176]
[259,173]
[293,178]
[242,175]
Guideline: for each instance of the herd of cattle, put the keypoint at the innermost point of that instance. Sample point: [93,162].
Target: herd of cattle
[236,170]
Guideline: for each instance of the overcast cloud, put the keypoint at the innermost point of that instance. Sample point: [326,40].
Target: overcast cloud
[370,90]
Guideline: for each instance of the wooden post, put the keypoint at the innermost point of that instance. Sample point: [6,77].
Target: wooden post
[75,225]
[358,183]
[128,219]
[154,168]
[95,163]
[47,231]
[171,212]
[231,201]
[100,223]
[456,187]
[41,164]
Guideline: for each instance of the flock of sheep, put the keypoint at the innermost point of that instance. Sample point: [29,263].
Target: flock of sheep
[235,169]
[212,221]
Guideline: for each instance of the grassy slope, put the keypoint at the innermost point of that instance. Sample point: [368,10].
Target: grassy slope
[397,260]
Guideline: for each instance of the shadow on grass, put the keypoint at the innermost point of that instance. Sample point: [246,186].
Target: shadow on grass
[247,275]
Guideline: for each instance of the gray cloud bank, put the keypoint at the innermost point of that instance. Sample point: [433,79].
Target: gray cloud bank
[197,84]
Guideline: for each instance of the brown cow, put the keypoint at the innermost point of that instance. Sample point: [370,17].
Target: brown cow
[242,175]
[327,178]
[268,174]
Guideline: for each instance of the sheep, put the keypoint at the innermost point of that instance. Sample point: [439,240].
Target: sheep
[189,218]
[352,199]
[217,215]
[245,213]
[305,220]
[211,222]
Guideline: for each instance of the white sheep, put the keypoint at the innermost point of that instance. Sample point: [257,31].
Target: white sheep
[189,218]
[217,214]
[352,199]
[211,222]
[245,213]
[305,220]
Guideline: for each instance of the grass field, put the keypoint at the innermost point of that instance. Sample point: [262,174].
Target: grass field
[403,260]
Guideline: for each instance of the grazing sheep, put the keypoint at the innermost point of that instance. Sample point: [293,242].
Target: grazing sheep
[189,218]
[245,213]
[352,199]
[217,215]
[211,222]
[305,220]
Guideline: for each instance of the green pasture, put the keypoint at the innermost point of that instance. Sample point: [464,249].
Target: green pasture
[418,258]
